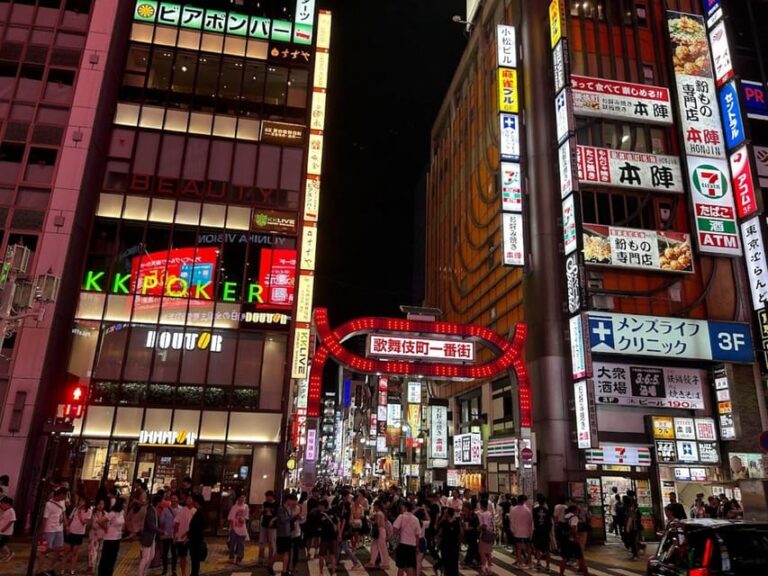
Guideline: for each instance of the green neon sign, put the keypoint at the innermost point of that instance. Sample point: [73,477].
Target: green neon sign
[221,22]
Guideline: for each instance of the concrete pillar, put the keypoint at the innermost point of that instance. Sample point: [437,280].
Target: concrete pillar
[548,359]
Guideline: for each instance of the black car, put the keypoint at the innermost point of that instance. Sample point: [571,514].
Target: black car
[706,547]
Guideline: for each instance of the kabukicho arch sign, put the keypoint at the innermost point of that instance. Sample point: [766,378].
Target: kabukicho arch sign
[454,359]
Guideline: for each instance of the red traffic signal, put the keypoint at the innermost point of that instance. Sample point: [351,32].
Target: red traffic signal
[75,405]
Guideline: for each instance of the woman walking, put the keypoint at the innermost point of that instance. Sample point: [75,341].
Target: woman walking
[449,535]
[379,538]
[78,522]
[198,551]
[487,537]
[113,525]
[96,535]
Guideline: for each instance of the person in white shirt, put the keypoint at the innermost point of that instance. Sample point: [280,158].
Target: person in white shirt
[455,501]
[113,525]
[410,531]
[96,534]
[78,522]
[487,536]
[238,529]
[180,530]
[7,520]
[54,519]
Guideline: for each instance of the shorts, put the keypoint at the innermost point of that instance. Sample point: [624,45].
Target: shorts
[405,556]
[74,539]
[570,550]
[55,540]
[4,539]
[541,540]
[327,548]
[284,544]
[182,549]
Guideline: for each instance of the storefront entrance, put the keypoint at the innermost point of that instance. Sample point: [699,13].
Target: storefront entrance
[601,504]
[156,468]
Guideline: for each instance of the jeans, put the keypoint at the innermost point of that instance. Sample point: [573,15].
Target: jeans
[94,549]
[236,546]
[147,553]
[169,547]
[109,552]
[346,548]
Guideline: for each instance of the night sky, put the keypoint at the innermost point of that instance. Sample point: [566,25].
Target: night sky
[391,63]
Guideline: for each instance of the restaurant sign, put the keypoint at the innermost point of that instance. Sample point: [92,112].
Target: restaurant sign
[649,386]
[612,99]
[634,170]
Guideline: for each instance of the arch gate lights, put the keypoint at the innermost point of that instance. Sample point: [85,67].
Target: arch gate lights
[422,335]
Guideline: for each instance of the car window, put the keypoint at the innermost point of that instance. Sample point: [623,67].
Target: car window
[744,552]
[682,549]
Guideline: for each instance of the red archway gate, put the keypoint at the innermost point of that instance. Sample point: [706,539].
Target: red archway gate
[508,354]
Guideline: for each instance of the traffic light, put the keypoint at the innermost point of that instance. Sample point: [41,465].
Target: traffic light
[75,402]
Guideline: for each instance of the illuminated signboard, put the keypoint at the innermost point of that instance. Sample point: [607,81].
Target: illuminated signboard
[756,262]
[508,92]
[310,453]
[586,426]
[634,248]
[388,346]
[649,386]
[299,363]
[509,142]
[271,221]
[579,355]
[619,455]
[467,449]
[747,201]
[414,392]
[634,170]
[605,98]
[721,54]
[755,99]
[282,133]
[513,239]
[277,274]
[636,335]
[179,439]
[570,238]
[511,187]
[557,28]
[439,431]
[733,121]
[181,272]
[221,22]
[179,340]
[506,46]
[304,21]
[685,440]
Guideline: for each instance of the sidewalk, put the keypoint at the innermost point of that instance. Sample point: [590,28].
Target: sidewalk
[129,558]
[613,554]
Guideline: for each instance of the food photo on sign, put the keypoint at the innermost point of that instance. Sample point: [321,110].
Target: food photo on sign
[630,248]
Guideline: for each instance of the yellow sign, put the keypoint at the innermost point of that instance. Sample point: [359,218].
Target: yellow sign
[663,427]
[555,21]
[414,419]
[508,96]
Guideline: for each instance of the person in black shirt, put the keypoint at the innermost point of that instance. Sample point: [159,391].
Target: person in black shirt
[471,536]
[267,535]
[678,511]
[506,506]
[449,536]
[328,529]
[542,527]
[197,548]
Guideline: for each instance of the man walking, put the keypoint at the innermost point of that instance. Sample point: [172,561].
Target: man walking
[267,531]
[54,521]
[148,534]
[284,520]
[521,520]
[238,530]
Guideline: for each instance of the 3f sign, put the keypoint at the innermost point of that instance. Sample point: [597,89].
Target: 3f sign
[729,341]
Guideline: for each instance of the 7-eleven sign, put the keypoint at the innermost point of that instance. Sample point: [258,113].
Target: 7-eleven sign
[710,181]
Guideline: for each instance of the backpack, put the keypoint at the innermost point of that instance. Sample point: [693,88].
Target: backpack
[563,529]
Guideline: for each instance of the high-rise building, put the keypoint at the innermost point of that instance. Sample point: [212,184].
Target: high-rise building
[163,159]
[582,181]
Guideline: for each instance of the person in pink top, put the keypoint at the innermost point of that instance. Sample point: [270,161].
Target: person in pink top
[521,522]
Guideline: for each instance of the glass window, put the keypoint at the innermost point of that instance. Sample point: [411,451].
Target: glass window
[169,343]
[152,117]
[200,123]
[212,43]
[171,155]
[138,59]
[248,129]
[90,306]
[196,159]
[127,114]
[231,79]
[273,372]
[140,352]
[147,150]
[269,166]
[118,308]
[277,85]
[234,46]
[98,421]
[184,72]
[207,76]
[112,352]
[162,211]
[249,355]
[221,364]
[85,337]
[238,218]
[258,49]
[177,121]
[244,169]
[142,32]
[122,143]
[225,126]
[165,35]
[189,39]
[222,151]
[110,205]
[292,168]
[159,77]
[298,85]
[214,425]
[253,82]
[213,215]
[136,208]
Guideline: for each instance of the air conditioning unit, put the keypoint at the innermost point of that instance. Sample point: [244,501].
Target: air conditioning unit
[602,302]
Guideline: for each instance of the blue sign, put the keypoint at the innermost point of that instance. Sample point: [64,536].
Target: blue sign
[730,110]
[731,342]
[755,100]
[683,338]
[712,11]
[347,396]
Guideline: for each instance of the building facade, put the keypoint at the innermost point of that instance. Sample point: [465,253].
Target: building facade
[190,260]
[580,182]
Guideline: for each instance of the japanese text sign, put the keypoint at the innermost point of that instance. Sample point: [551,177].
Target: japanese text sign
[565,162]
[570,237]
[556,21]
[637,335]
[620,169]
[563,114]
[755,260]
[439,431]
[467,449]
[506,46]
[714,208]
[721,54]
[509,142]
[621,100]
[697,100]
[712,10]
[733,121]
[513,239]
[634,248]
[580,358]
[649,386]
[508,93]
[390,346]
[511,190]
[743,183]
[619,455]
[586,425]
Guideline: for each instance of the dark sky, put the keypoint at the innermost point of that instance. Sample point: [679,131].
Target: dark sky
[391,63]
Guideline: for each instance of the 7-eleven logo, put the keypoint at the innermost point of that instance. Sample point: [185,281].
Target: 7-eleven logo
[620,453]
[710,181]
